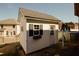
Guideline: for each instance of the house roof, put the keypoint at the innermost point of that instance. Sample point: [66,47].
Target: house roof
[9,22]
[35,14]
[70,23]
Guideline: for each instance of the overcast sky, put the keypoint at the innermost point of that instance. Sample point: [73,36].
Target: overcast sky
[63,11]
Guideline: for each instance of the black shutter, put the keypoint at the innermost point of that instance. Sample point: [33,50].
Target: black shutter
[41,32]
[30,29]
[41,29]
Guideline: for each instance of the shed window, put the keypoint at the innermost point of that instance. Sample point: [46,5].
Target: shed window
[36,26]
[52,27]
[36,30]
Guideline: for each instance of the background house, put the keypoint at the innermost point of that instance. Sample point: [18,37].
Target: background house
[37,30]
[73,26]
[9,29]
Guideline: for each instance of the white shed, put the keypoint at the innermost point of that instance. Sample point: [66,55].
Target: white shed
[37,30]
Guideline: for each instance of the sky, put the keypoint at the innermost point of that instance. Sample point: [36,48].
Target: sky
[62,11]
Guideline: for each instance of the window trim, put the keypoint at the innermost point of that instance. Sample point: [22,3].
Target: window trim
[35,29]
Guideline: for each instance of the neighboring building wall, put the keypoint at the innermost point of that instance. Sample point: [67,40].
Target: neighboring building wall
[75,28]
[9,35]
[9,31]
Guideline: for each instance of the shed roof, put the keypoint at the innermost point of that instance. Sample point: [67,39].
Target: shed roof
[8,22]
[31,13]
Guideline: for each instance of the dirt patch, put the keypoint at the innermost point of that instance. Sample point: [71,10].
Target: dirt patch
[15,49]
[9,49]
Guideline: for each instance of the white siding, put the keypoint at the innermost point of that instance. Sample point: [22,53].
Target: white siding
[23,34]
[45,41]
[18,29]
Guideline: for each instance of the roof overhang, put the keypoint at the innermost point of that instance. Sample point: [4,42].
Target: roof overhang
[42,19]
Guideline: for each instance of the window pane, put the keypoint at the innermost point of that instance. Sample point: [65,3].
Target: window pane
[1,26]
[22,28]
[36,32]
[13,26]
[36,26]
[6,32]
[11,33]
[14,32]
